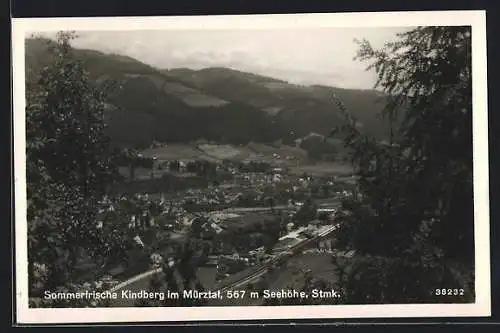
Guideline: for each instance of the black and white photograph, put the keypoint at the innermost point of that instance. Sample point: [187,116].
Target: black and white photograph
[251,167]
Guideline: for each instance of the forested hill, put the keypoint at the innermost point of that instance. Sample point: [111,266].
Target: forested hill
[216,104]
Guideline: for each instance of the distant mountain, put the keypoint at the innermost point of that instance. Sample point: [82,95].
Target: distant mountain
[231,85]
[215,104]
[302,109]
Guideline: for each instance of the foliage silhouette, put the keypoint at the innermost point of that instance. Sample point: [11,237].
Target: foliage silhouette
[70,166]
[411,219]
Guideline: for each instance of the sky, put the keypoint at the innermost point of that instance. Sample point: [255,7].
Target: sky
[302,56]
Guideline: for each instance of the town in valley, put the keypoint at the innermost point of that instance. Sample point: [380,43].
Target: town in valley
[174,180]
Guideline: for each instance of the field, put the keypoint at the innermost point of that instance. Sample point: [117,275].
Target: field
[165,184]
[248,221]
[222,152]
[320,265]
[323,169]
[192,96]
[283,151]
[206,275]
[214,152]
[291,157]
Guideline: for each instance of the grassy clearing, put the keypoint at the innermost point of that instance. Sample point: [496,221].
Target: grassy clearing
[200,100]
[323,169]
[320,264]
[174,152]
[206,275]
[248,221]
[221,152]
[252,151]
[282,150]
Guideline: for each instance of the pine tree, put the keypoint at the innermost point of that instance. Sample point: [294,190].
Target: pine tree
[411,221]
[70,166]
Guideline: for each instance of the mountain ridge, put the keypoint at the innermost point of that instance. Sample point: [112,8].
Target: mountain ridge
[216,104]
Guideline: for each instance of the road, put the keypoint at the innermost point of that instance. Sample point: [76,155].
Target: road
[335,204]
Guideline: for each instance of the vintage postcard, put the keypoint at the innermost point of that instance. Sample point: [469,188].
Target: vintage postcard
[251,167]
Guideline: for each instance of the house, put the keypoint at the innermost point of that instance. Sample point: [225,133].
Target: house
[314,224]
[132,224]
[138,240]
[325,245]
[182,166]
[216,228]
[277,178]
[285,244]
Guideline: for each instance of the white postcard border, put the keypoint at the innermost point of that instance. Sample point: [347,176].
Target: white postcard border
[476,19]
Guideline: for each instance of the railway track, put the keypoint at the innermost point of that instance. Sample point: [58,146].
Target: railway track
[263,270]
